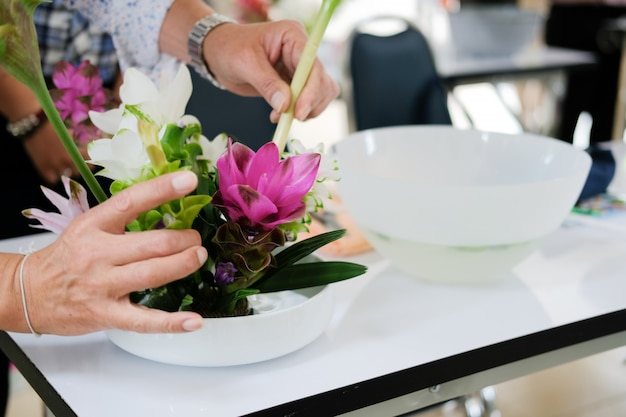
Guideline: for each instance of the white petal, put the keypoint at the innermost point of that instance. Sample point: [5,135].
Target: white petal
[137,88]
[175,95]
[108,121]
[123,157]
[187,120]
[212,150]
[100,149]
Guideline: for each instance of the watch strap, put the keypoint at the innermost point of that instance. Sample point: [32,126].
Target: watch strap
[195,41]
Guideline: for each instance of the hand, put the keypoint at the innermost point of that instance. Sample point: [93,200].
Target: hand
[261,58]
[81,282]
[49,156]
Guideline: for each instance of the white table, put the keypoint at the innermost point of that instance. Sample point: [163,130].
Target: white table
[458,69]
[394,344]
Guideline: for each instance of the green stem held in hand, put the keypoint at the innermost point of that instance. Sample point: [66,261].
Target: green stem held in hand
[304,69]
[59,127]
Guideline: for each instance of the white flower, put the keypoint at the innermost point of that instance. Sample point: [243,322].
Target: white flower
[161,105]
[108,121]
[328,171]
[123,157]
[212,149]
[141,97]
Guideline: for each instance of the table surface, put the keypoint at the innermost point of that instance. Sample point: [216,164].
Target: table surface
[458,69]
[390,335]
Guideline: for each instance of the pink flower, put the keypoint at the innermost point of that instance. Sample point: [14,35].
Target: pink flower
[259,190]
[254,10]
[79,90]
[69,208]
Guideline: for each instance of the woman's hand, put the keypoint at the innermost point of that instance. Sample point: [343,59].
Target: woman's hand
[48,155]
[81,282]
[261,58]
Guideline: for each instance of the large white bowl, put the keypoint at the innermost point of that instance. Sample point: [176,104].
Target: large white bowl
[452,205]
[283,322]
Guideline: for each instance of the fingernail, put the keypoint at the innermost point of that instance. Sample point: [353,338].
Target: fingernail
[202,255]
[277,101]
[184,181]
[193,324]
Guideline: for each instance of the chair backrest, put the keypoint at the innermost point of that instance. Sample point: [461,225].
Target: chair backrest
[391,79]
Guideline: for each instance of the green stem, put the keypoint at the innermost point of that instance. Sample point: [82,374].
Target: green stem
[304,69]
[43,95]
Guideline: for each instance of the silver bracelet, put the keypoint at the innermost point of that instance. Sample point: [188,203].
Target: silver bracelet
[194,44]
[23,293]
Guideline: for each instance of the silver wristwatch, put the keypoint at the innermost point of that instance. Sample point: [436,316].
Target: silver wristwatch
[194,44]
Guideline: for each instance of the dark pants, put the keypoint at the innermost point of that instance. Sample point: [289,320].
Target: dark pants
[594,91]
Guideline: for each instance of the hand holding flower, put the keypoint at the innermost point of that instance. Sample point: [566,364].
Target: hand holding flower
[253,74]
[92,292]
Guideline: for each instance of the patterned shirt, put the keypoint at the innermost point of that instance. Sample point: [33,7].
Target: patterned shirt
[65,35]
[134,26]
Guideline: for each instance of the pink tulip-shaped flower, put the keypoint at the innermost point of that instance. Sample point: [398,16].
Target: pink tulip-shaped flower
[69,208]
[261,191]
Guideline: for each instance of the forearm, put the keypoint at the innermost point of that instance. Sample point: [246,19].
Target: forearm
[178,23]
[16,100]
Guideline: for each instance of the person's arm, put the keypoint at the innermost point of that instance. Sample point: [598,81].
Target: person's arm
[251,59]
[45,150]
[247,59]
[81,282]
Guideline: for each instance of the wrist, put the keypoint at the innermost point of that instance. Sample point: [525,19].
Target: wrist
[195,44]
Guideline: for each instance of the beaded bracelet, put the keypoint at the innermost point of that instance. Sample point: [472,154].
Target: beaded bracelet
[25,127]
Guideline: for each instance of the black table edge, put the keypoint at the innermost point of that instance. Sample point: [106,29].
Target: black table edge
[388,387]
[384,388]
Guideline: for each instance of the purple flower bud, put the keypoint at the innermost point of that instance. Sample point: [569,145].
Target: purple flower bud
[225,273]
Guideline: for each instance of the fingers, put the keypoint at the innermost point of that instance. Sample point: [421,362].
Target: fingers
[261,59]
[115,213]
[317,94]
[145,320]
[152,271]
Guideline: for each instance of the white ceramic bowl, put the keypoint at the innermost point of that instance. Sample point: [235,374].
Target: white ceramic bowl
[452,205]
[497,30]
[283,322]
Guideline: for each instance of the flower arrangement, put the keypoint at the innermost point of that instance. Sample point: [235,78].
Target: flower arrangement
[248,207]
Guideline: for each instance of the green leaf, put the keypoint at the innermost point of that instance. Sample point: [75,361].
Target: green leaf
[299,250]
[310,275]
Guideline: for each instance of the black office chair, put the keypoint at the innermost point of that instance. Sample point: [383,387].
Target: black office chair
[246,119]
[391,78]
